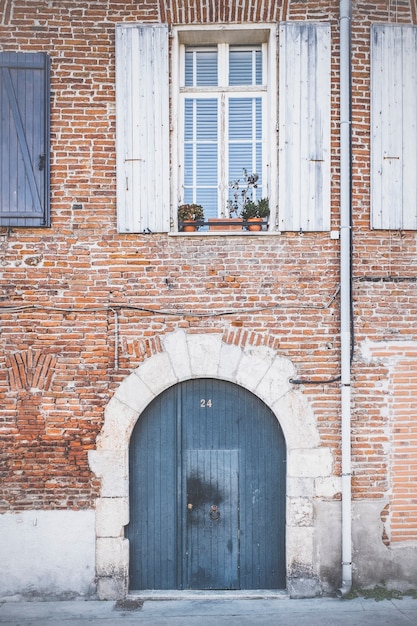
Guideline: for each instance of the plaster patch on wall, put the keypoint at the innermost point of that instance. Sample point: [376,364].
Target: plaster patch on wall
[375,562]
[56,554]
[385,352]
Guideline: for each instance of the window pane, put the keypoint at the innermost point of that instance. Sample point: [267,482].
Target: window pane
[244,118]
[258,63]
[206,167]
[189,119]
[258,115]
[206,119]
[201,153]
[188,163]
[241,158]
[245,131]
[245,66]
[245,147]
[200,67]
[258,157]
[208,198]
[200,121]
[242,162]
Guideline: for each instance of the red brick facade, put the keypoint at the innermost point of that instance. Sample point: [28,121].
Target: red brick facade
[82,306]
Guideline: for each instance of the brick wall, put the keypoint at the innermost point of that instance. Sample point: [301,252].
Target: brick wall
[385,433]
[82,306]
[384,302]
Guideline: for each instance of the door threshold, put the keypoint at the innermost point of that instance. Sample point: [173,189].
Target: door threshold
[208,594]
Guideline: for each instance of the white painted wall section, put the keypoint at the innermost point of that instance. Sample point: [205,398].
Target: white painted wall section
[47,554]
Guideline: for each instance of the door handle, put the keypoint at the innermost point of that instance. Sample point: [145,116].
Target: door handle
[214,512]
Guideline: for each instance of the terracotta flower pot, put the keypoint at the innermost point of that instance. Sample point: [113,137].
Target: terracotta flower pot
[225,223]
[189,227]
[255,223]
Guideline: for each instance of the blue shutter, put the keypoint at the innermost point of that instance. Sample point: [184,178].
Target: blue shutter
[142,114]
[394,127]
[24,131]
[304,127]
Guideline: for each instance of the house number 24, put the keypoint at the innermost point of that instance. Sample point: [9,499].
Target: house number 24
[205,404]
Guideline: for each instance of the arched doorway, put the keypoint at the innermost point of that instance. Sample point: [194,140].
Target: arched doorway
[207,475]
[263,373]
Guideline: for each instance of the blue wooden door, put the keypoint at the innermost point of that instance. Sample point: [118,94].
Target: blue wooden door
[207,491]
[212,519]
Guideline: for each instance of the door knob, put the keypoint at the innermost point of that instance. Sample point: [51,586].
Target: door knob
[214,512]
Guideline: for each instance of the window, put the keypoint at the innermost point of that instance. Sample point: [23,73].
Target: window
[202,109]
[224,117]
[24,132]
[222,109]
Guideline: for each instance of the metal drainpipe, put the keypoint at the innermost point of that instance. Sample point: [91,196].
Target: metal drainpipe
[345,12]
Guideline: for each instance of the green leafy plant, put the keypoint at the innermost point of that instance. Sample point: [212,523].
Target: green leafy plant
[263,207]
[190,212]
[255,209]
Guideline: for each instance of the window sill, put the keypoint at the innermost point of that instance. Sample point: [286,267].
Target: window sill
[236,226]
[225,233]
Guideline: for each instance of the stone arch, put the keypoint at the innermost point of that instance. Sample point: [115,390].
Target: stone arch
[257,368]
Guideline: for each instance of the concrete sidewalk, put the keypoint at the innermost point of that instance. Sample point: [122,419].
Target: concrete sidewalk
[212,612]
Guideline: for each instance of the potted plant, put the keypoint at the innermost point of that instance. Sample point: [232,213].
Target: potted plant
[239,196]
[189,215]
[255,212]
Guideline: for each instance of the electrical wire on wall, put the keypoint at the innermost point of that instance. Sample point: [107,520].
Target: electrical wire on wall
[116,308]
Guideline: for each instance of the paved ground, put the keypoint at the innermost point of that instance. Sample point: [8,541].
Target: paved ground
[213,612]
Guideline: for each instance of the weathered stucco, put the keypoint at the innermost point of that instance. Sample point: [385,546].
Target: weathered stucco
[47,554]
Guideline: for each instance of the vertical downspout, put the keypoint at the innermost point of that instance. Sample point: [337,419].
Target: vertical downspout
[345,289]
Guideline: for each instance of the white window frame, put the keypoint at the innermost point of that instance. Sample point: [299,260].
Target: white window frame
[260,34]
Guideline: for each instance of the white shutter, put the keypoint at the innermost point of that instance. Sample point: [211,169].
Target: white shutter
[304,126]
[394,130]
[142,116]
